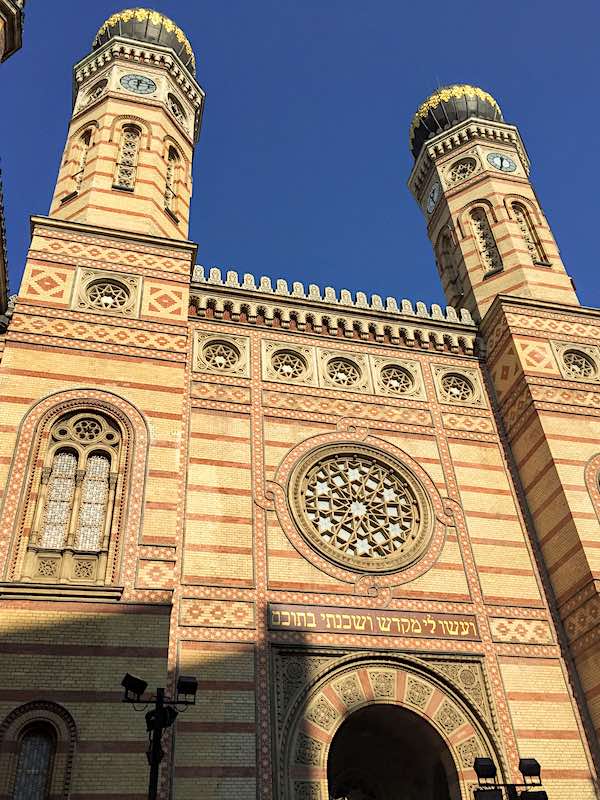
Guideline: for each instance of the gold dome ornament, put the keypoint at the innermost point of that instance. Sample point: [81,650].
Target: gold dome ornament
[446,108]
[146,25]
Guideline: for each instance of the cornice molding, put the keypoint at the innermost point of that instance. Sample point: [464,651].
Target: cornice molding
[320,311]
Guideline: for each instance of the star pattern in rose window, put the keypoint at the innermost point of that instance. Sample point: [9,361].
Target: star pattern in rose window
[360,506]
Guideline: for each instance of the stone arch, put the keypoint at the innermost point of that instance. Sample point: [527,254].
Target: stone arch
[25,469]
[15,724]
[364,679]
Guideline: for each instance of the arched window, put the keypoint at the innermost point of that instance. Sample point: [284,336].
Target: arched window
[488,249]
[84,144]
[72,520]
[176,108]
[447,267]
[529,234]
[35,760]
[128,157]
[173,163]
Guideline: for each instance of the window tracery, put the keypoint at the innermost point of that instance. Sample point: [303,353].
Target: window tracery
[360,507]
[220,355]
[396,379]
[343,372]
[486,243]
[456,388]
[171,178]
[85,141]
[578,365]
[529,234]
[176,108]
[97,91]
[37,748]
[128,157]
[461,170]
[288,364]
[75,501]
[108,295]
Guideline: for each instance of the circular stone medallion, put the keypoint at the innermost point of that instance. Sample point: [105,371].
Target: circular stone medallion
[361,508]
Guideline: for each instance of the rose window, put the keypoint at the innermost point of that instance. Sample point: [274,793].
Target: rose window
[578,365]
[361,508]
[221,355]
[456,387]
[343,372]
[288,364]
[87,429]
[397,379]
[108,295]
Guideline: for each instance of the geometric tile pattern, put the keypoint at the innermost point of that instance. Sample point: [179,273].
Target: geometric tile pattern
[216,613]
[521,631]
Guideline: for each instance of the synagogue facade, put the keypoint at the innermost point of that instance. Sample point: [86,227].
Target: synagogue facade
[369,527]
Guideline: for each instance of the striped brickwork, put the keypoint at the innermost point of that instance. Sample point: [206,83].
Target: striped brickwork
[552,425]
[537,272]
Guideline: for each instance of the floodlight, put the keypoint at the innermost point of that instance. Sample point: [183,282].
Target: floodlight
[487,794]
[168,716]
[485,769]
[133,686]
[187,686]
[530,768]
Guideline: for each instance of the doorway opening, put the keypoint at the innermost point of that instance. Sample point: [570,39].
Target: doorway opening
[385,752]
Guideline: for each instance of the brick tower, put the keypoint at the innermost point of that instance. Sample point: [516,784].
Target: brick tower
[497,256]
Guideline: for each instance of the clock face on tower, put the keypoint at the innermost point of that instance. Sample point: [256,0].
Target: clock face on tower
[138,83]
[501,162]
[433,197]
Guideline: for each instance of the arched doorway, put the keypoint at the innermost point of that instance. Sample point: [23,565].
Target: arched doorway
[385,752]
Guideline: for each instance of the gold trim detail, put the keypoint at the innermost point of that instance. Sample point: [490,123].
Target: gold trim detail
[141,14]
[442,96]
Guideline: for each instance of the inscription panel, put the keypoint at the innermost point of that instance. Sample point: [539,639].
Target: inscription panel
[373,622]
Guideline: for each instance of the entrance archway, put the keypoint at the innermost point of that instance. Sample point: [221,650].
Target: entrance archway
[384,752]
[429,714]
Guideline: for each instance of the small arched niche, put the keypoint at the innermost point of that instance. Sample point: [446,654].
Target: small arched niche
[385,752]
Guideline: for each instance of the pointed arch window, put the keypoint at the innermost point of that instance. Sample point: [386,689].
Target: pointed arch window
[128,157]
[172,179]
[486,243]
[72,521]
[84,144]
[529,234]
[35,761]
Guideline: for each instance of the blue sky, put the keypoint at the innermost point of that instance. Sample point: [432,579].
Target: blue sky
[303,160]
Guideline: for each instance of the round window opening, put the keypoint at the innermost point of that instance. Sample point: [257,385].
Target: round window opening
[221,355]
[361,508]
[343,372]
[456,387]
[578,365]
[397,379]
[288,364]
[108,295]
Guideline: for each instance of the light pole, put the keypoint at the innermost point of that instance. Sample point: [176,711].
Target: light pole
[490,789]
[159,718]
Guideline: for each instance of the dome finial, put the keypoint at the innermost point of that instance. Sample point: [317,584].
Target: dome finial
[146,25]
[447,107]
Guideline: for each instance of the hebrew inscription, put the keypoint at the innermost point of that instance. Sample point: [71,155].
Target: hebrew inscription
[373,622]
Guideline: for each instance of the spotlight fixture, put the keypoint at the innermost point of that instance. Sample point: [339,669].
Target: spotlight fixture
[187,687]
[530,768]
[485,769]
[487,794]
[134,688]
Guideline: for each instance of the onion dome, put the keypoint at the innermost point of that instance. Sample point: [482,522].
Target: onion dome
[448,107]
[145,25]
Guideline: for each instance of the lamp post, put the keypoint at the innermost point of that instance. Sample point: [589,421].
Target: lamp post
[489,789]
[159,718]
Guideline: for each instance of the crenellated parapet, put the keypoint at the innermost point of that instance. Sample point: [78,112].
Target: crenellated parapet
[321,310]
